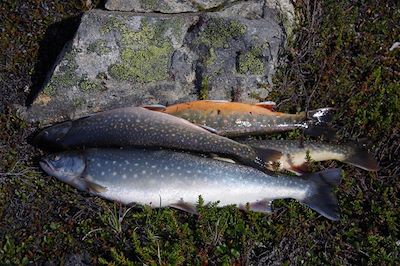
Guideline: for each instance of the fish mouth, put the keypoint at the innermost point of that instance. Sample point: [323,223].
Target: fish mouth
[46,166]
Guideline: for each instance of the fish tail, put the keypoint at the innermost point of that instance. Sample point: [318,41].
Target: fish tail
[361,158]
[266,156]
[317,123]
[322,199]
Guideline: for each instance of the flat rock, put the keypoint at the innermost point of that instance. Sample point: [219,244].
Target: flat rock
[130,59]
[166,6]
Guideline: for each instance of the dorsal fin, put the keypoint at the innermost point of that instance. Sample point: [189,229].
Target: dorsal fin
[217,101]
[155,107]
[267,105]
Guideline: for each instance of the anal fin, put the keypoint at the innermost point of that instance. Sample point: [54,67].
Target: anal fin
[184,206]
[210,129]
[263,206]
[299,169]
[270,105]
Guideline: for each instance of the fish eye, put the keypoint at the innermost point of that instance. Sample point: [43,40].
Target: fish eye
[56,158]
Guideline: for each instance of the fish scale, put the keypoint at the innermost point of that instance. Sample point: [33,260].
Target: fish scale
[136,126]
[162,178]
[239,119]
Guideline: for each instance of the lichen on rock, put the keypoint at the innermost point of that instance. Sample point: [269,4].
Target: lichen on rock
[145,54]
[219,31]
[251,62]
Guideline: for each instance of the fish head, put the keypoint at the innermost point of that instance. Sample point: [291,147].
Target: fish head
[68,167]
[51,136]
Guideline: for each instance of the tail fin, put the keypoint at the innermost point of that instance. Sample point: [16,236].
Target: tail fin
[318,122]
[361,158]
[266,156]
[322,199]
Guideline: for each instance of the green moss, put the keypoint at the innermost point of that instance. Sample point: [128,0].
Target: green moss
[145,54]
[219,31]
[251,62]
[99,47]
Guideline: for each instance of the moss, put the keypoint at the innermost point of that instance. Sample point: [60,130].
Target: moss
[145,54]
[99,47]
[219,31]
[251,62]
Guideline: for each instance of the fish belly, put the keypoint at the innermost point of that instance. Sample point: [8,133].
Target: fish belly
[162,178]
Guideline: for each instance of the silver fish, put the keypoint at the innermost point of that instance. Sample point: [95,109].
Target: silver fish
[295,154]
[136,126]
[161,178]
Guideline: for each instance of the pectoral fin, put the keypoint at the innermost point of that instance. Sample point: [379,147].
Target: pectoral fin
[184,206]
[93,187]
[155,107]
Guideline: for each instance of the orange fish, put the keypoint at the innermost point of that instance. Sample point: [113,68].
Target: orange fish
[234,119]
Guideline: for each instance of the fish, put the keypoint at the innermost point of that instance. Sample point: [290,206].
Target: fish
[296,154]
[139,127]
[233,119]
[166,178]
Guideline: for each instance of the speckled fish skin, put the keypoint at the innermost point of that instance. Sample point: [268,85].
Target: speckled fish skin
[238,119]
[136,126]
[295,153]
[161,178]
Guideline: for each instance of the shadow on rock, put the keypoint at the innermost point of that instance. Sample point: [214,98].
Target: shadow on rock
[51,47]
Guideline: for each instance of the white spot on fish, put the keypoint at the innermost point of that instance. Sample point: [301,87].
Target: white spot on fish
[114,173]
[102,173]
[144,172]
[124,176]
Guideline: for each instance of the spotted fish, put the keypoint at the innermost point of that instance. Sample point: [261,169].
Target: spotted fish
[162,178]
[295,154]
[136,126]
[238,119]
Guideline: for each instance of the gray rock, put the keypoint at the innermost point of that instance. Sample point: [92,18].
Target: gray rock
[126,59]
[166,6]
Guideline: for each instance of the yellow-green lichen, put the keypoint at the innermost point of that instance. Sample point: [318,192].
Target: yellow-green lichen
[251,62]
[212,56]
[154,5]
[219,31]
[145,54]
[64,77]
[99,47]
[204,88]
[90,85]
